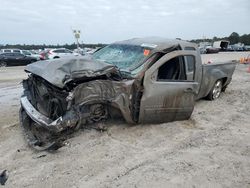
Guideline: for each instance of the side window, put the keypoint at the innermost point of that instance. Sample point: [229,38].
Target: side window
[63,51]
[16,51]
[58,51]
[190,67]
[172,70]
[189,48]
[9,54]
[68,51]
[180,68]
[16,54]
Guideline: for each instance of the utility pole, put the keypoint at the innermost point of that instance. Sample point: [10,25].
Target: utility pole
[77,34]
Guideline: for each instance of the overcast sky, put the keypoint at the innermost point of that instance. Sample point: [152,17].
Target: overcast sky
[105,21]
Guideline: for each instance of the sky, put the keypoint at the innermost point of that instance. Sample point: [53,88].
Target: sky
[106,21]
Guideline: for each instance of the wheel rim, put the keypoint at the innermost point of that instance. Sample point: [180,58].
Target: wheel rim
[3,64]
[217,89]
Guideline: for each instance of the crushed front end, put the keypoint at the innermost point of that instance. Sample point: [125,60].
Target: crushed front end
[50,111]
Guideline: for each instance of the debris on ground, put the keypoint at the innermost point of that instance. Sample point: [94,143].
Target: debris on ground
[4,177]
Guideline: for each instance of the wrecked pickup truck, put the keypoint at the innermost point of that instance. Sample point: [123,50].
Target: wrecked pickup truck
[147,80]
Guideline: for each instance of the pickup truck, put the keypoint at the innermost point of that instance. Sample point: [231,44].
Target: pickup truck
[142,80]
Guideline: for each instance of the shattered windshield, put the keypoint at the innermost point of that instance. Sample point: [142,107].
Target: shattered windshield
[123,56]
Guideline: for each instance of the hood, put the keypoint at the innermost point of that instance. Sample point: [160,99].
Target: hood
[59,72]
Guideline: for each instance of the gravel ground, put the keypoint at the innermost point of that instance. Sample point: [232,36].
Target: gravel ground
[212,149]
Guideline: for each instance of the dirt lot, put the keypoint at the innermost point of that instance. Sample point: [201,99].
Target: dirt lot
[212,149]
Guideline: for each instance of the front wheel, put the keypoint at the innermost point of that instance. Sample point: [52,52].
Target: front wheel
[215,91]
[3,64]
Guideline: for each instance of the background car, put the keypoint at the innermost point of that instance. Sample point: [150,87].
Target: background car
[202,50]
[59,53]
[15,59]
[211,50]
[43,54]
[10,50]
[31,54]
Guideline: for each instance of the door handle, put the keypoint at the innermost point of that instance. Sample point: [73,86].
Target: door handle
[189,90]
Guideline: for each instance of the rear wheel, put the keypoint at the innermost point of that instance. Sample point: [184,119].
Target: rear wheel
[215,91]
[3,64]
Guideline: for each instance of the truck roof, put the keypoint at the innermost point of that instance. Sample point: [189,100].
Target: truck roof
[158,43]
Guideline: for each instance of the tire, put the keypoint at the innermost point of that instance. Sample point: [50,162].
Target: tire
[215,91]
[3,64]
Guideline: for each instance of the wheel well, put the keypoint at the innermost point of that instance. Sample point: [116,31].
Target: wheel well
[223,80]
[56,57]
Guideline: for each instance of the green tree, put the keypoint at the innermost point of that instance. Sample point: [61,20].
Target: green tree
[234,38]
[245,39]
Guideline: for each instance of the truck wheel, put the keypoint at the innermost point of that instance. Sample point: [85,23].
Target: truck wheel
[3,64]
[215,91]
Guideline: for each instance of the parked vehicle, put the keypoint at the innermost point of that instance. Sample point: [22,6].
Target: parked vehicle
[230,48]
[15,59]
[222,45]
[59,53]
[44,54]
[10,51]
[202,50]
[31,54]
[211,50]
[148,80]
[247,47]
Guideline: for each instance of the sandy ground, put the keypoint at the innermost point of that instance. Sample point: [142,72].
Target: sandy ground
[212,149]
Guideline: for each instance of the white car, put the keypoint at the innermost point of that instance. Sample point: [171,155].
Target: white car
[59,53]
[29,53]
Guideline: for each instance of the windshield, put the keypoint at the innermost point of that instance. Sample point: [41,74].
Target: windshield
[123,56]
[26,53]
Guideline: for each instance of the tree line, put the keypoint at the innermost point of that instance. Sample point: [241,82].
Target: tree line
[233,38]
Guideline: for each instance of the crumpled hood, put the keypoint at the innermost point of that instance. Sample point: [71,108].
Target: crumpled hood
[61,71]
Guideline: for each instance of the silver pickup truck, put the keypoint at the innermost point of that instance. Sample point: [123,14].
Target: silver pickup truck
[147,80]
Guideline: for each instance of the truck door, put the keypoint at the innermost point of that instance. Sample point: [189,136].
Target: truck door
[169,88]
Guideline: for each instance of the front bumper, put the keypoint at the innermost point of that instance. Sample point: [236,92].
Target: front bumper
[69,120]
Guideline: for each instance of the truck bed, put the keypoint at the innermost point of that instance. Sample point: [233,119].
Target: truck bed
[214,71]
